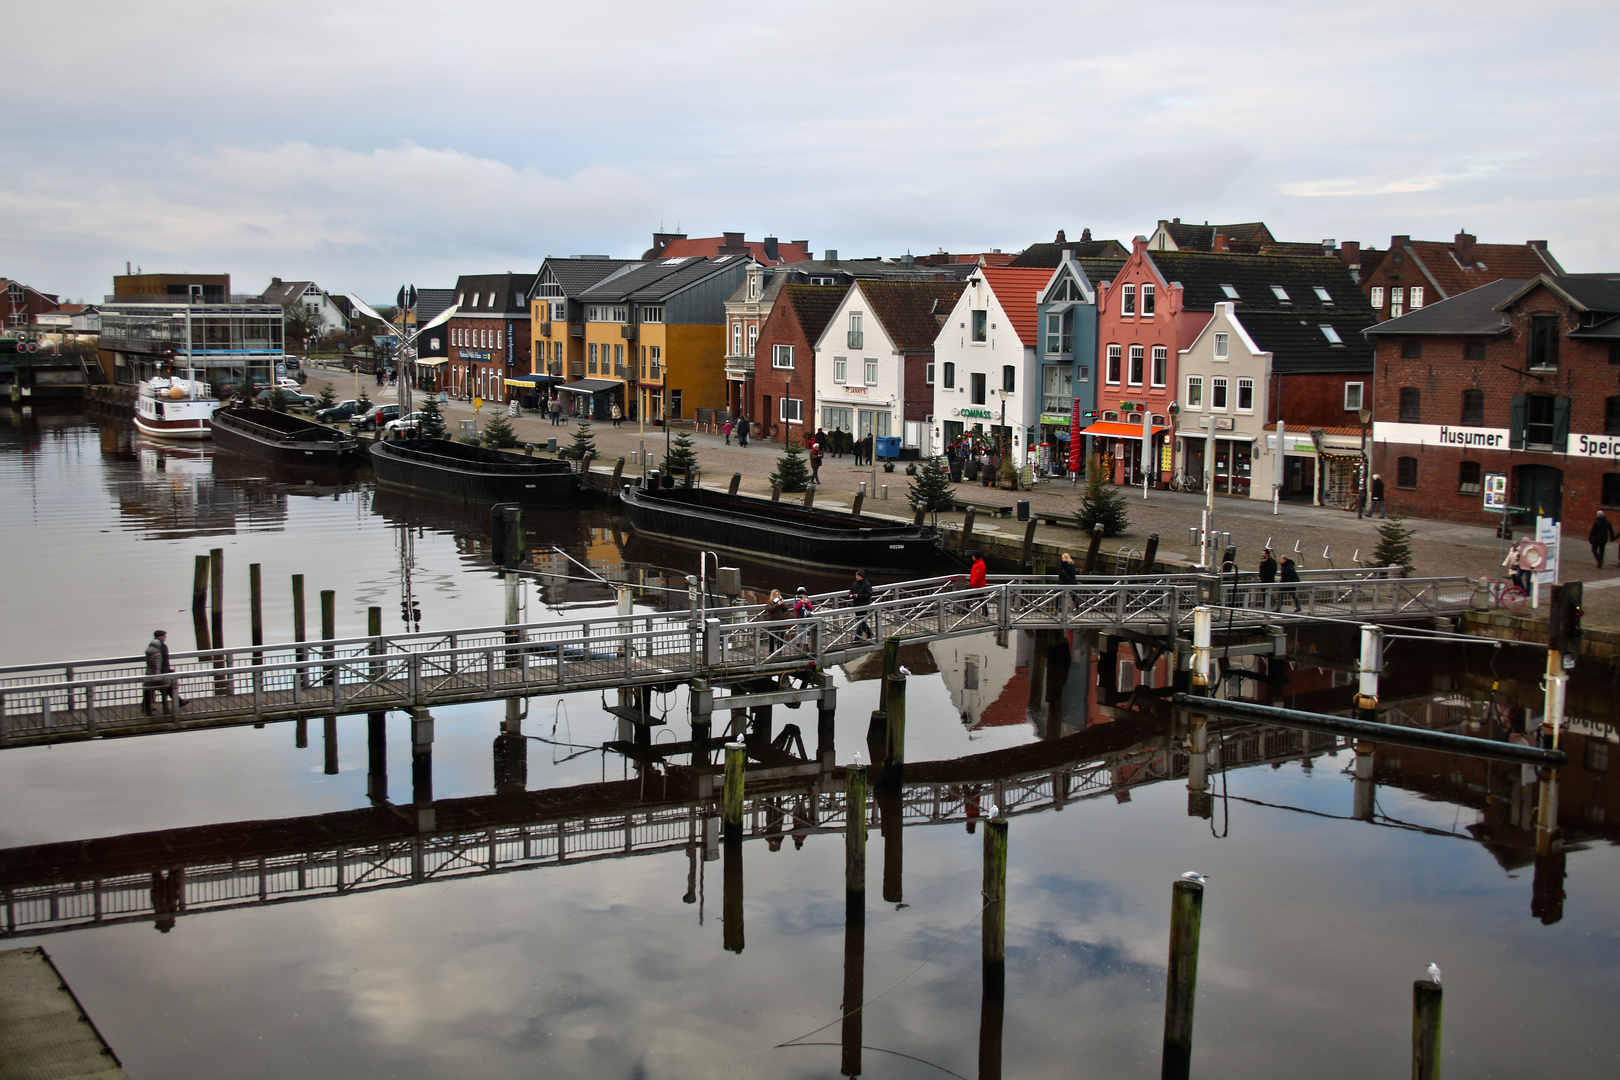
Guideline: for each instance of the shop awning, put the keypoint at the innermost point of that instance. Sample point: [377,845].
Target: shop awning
[531,381]
[590,386]
[432,361]
[1113,430]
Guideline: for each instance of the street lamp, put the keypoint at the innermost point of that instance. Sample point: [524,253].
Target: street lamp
[1005,438]
[1366,470]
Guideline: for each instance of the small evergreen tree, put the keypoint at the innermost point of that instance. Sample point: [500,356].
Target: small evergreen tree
[681,455]
[432,425]
[278,399]
[931,492]
[584,443]
[362,403]
[1102,504]
[498,432]
[326,398]
[1394,546]
[792,472]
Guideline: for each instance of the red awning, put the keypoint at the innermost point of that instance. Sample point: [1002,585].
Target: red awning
[1115,430]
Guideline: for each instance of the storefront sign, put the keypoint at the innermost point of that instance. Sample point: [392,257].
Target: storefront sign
[474,354]
[855,390]
[982,414]
[509,345]
[1222,423]
[1481,438]
[1594,446]
[1052,419]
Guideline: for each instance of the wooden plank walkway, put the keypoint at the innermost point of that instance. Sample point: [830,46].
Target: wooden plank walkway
[44,1034]
[42,703]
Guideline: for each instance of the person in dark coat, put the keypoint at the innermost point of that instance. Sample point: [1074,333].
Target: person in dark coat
[776,610]
[815,463]
[1268,574]
[1377,496]
[1290,577]
[860,594]
[1067,575]
[1602,532]
[821,439]
[741,431]
[160,679]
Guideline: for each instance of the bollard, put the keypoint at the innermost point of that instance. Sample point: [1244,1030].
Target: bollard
[1096,545]
[736,777]
[1186,919]
[918,517]
[994,941]
[809,497]
[776,492]
[736,481]
[1426,1000]
[329,630]
[1151,554]
[885,495]
[855,832]
[860,500]
[1029,544]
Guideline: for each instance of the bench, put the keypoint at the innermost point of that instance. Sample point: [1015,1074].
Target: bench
[981,508]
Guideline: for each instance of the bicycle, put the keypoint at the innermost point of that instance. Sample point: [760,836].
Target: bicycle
[1505,594]
[1186,483]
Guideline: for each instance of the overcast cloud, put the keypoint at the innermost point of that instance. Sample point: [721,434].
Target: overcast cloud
[364,144]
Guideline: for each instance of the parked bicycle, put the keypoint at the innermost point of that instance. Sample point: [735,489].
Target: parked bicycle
[1187,482]
[1506,595]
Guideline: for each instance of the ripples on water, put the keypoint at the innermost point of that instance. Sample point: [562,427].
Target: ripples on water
[1314,925]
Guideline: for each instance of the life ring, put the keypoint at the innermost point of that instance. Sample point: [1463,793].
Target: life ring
[1533,556]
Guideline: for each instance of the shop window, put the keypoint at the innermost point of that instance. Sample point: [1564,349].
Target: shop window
[1406,472]
[1473,407]
[1468,478]
[1543,341]
[1411,350]
[1411,403]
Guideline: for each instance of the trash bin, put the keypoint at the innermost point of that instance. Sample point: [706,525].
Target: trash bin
[551,445]
[956,470]
[1023,509]
[887,446]
[469,428]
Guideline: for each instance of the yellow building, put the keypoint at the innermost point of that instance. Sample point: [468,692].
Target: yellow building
[557,318]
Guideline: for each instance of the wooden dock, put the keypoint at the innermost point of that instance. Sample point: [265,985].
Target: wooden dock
[43,703]
[44,1034]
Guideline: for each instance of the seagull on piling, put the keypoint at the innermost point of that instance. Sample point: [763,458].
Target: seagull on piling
[858,762]
[992,811]
[1434,973]
[905,671]
[1195,877]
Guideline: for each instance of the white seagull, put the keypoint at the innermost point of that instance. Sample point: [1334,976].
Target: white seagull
[905,671]
[1194,876]
[992,811]
[1434,973]
[858,762]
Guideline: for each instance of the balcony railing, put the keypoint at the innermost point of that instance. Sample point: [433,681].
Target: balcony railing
[1057,403]
[856,337]
[576,369]
[654,372]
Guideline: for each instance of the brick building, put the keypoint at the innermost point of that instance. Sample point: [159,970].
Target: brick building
[21,305]
[1414,272]
[1520,378]
[787,351]
[489,336]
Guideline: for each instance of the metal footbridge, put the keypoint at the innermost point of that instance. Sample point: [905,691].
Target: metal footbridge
[42,703]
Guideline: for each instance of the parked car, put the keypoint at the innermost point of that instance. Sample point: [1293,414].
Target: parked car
[377,415]
[410,424]
[293,398]
[338,413]
[287,382]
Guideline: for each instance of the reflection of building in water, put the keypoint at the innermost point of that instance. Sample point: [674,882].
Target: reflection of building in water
[988,683]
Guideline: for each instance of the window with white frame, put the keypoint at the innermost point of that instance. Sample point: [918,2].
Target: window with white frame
[1245,398]
[1111,374]
[500,339]
[1331,334]
[1352,397]
[1054,332]
[753,338]
[840,370]
[950,375]
[1135,374]
[781,356]
[928,374]
[1147,299]
[871,373]
[1223,344]
[791,411]
[1127,300]
[1230,291]
[652,313]
[736,337]
[1280,293]
[1161,365]
[1085,373]
[559,310]
[1415,299]
[1009,378]
[1397,301]
[1217,392]
[1195,391]
[1377,297]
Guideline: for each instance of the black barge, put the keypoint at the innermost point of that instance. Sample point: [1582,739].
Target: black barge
[284,439]
[473,474]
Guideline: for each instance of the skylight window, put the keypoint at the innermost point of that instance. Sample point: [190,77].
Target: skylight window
[1331,334]
[1230,291]
[1280,293]
[1322,294]
[674,262]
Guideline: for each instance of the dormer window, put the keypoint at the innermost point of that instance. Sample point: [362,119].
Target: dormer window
[1280,293]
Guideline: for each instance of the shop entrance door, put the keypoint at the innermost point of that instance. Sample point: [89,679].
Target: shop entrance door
[1540,489]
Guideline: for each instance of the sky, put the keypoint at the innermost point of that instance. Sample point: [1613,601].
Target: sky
[365,145]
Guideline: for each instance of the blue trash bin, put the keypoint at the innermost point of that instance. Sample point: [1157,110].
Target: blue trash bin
[888,446]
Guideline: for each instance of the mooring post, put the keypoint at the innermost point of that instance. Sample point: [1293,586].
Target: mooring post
[422,769]
[374,631]
[199,583]
[731,912]
[497,534]
[809,496]
[1200,803]
[732,798]
[256,620]
[826,709]
[736,481]
[855,833]
[1557,685]
[1096,546]
[329,743]
[1186,920]
[301,733]
[894,735]
[1426,1000]
[300,631]
[860,500]
[1150,554]
[516,545]
[329,632]
[510,756]
[1372,662]
[618,473]
[994,930]
[854,976]
[377,758]
[967,531]
[216,559]
[1365,789]
[1029,545]
[776,492]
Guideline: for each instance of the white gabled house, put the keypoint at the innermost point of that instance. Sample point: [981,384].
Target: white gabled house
[987,375]
[1224,380]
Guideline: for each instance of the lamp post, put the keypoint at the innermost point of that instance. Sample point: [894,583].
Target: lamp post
[1361,481]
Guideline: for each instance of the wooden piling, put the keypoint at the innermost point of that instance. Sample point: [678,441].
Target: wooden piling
[618,473]
[377,754]
[776,492]
[919,517]
[967,531]
[731,911]
[855,832]
[301,733]
[329,743]
[1029,544]
[374,631]
[736,781]
[894,737]
[329,630]
[1091,552]
[199,583]
[497,534]
[860,501]
[994,930]
[1426,999]
[809,496]
[736,481]
[216,560]
[1186,920]
[1150,554]
[891,825]
[256,607]
[516,543]
[300,632]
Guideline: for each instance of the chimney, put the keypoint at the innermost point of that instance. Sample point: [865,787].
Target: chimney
[804,245]
[1396,243]
[1218,244]
[770,248]
[1085,236]
[1175,221]
[734,244]
[1350,253]
[1463,248]
[1330,246]
[909,261]
[1061,239]
[830,256]
[662,240]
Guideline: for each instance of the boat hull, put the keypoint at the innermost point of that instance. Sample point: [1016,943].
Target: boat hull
[780,531]
[472,474]
[284,439]
[174,429]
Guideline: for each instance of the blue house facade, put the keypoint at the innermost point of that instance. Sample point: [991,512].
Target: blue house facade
[1066,315]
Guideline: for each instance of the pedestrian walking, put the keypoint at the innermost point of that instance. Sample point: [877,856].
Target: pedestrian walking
[1602,532]
[820,439]
[728,432]
[978,578]
[860,595]
[1268,576]
[1377,496]
[616,413]
[1067,575]
[803,608]
[838,438]
[554,407]
[1290,578]
[1513,562]
[815,463]
[742,431]
[160,677]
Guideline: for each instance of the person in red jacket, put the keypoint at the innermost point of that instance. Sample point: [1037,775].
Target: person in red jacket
[977,577]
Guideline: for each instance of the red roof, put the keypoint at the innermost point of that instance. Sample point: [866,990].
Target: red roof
[1011,705]
[1016,288]
[710,246]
